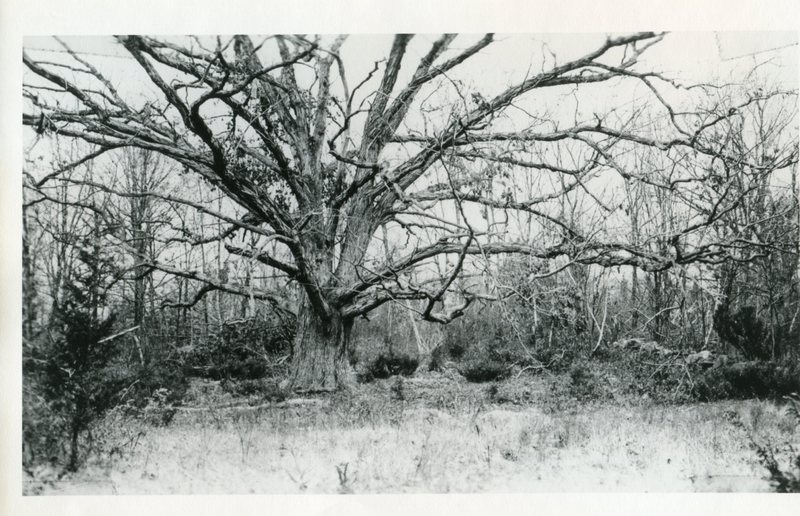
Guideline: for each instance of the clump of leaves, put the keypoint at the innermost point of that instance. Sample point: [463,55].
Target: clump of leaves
[743,330]
[481,369]
[385,365]
[584,383]
[248,348]
[156,376]
[748,380]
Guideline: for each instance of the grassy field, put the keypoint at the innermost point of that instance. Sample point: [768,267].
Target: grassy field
[429,434]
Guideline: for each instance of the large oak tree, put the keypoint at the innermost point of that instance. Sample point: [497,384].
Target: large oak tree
[317,162]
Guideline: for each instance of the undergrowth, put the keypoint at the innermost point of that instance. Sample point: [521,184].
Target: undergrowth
[784,478]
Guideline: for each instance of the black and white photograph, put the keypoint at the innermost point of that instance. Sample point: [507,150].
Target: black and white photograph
[374,262]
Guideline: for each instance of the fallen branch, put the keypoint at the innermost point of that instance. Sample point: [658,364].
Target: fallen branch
[120,334]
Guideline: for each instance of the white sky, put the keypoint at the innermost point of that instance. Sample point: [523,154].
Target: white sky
[687,56]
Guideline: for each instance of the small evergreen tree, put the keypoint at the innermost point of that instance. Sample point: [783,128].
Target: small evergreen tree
[75,378]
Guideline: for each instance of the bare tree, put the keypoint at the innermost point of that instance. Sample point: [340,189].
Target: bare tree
[313,166]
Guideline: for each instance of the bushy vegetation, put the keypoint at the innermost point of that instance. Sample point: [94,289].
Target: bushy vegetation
[73,370]
[585,383]
[388,364]
[743,330]
[748,380]
[482,349]
[479,369]
[249,348]
[783,478]
[154,376]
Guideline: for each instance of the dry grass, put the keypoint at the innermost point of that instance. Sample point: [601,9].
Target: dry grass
[444,436]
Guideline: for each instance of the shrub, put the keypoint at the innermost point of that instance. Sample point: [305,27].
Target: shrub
[481,369]
[156,376]
[270,333]
[748,380]
[584,383]
[666,378]
[743,330]
[73,370]
[248,348]
[397,389]
[389,364]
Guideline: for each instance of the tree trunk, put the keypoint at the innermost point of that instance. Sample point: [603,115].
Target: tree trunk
[28,283]
[319,353]
[75,432]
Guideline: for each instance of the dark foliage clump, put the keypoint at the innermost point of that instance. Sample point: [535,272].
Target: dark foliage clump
[385,365]
[748,380]
[156,376]
[397,390]
[249,349]
[490,357]
[584,383]
[744,331]
[444,353]
[73,371]
[482,368]
[272,333]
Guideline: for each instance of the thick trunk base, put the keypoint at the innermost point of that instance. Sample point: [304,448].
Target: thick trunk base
[319,355]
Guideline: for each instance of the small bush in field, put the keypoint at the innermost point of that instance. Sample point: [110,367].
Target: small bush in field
[584,383]
[156,375]
[450,351]
[398,389]
[748,380]
[456,349]
[484,369]
[389,364]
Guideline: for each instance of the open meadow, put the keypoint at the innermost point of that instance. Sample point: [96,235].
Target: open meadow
[430,434]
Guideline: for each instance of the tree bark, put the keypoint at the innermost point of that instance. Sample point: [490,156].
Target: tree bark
[72,465]
[28,282]
[319,360]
